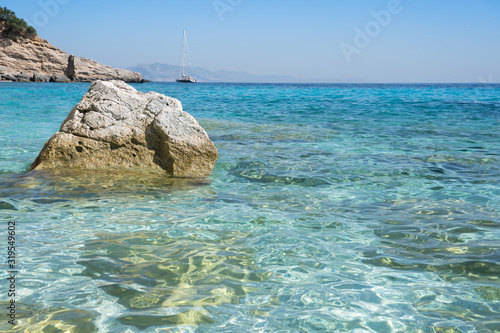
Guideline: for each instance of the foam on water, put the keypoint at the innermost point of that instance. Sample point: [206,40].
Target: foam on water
[369,208]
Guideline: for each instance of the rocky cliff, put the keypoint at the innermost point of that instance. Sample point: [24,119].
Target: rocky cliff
[31,58]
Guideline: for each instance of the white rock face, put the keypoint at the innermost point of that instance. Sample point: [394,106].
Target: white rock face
[114,127]
[35,59]
[86,70]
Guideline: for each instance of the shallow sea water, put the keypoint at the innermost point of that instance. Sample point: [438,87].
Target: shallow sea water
[332,208]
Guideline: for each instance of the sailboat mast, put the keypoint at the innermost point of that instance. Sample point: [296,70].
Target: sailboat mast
[183,50]
[182,62]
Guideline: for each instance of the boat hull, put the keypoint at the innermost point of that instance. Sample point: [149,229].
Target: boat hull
[186,80]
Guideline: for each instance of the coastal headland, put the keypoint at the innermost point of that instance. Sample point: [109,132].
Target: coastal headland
[24,57]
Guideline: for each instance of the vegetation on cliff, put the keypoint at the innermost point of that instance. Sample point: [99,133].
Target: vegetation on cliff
[11,25]
[24,56]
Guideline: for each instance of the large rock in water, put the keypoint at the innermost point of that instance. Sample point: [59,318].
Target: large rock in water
[115,127]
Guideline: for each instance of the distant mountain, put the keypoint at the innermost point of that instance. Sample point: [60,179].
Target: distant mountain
[168,73]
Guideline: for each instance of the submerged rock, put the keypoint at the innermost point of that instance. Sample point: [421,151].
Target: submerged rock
[116,127]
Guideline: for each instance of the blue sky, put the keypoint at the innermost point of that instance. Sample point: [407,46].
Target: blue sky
[319,40]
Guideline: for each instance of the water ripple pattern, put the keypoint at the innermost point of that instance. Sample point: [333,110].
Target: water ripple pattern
[332,208]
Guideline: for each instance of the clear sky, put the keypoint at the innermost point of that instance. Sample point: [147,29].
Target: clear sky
[320,40]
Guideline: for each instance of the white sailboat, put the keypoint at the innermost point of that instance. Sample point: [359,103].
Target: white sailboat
[182,77]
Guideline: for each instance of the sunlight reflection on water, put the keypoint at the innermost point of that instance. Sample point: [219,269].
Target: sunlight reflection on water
[374,218]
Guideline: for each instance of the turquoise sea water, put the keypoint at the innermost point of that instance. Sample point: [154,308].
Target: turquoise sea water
[332,208]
